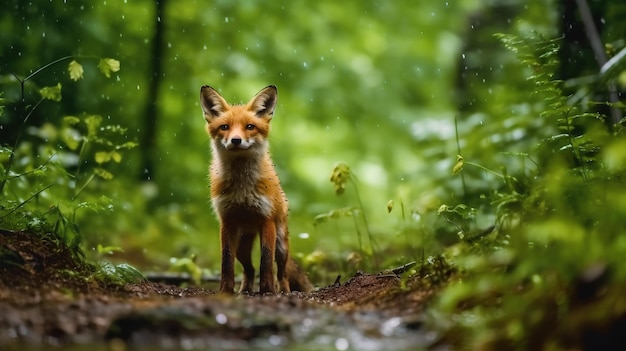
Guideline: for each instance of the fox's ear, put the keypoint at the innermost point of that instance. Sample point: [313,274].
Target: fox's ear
[213,104]
[264,102]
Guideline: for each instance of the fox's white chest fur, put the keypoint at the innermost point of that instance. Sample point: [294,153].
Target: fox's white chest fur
[239,187]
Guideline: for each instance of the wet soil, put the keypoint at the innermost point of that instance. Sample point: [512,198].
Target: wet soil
[48,298]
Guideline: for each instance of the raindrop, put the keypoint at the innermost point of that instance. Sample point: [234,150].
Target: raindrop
[342,344]
[204,47]
[169,45]
[221,318]
[463,56]
[304,64]
[226,20]
[138,88]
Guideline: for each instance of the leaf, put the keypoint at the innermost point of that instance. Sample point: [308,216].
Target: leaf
[108,65]
[613,67]
[71,137]
[116,156]
[104,174]
[76,70]
[93,125]
[128,145]
[108,250]
[458,166]
[71,120]
[129,273]
[102,157]
[51,93]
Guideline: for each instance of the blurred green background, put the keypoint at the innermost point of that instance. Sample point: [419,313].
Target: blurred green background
[374,84]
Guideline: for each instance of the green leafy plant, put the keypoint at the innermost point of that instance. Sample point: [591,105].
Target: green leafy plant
[46,196]
[118,274]
[558,257]
[340,177]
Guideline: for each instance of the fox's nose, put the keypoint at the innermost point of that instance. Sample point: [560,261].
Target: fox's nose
[236,141]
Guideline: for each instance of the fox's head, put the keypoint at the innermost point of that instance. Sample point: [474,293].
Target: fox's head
[238,129]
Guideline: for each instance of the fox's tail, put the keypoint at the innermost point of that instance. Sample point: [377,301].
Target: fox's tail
[298,281]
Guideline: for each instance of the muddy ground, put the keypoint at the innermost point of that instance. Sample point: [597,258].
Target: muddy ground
[48,299]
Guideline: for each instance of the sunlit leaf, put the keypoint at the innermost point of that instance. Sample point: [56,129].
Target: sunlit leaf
[76,70]
[116,156]
[443,208]
[71,137]
[102,157]
[51,93]
[458,166]
[108,250]
[108,65]
[104,174]
[71,120]
[93,125]
[128,145]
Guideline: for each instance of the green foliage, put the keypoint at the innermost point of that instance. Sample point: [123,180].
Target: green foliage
[45,172]
[187,265]
[532,187]
[118,274]
[341,175]
[555,252]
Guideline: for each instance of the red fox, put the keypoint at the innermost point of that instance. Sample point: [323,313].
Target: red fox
[246,193]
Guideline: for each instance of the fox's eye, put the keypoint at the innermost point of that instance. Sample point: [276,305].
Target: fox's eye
[250,127]
[224,127]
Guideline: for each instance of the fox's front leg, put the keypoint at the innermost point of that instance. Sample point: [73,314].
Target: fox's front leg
[229,240]
[268,249]
[244,255]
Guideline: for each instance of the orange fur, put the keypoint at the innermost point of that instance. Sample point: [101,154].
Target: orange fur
[246,192]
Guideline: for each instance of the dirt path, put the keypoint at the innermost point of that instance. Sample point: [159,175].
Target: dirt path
[45,299]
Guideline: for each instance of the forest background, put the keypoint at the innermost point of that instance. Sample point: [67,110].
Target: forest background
[386,94]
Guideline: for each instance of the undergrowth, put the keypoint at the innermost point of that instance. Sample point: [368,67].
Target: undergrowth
[549,273]
[51,171]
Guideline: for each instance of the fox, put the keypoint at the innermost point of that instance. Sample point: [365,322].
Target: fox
[246,193]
